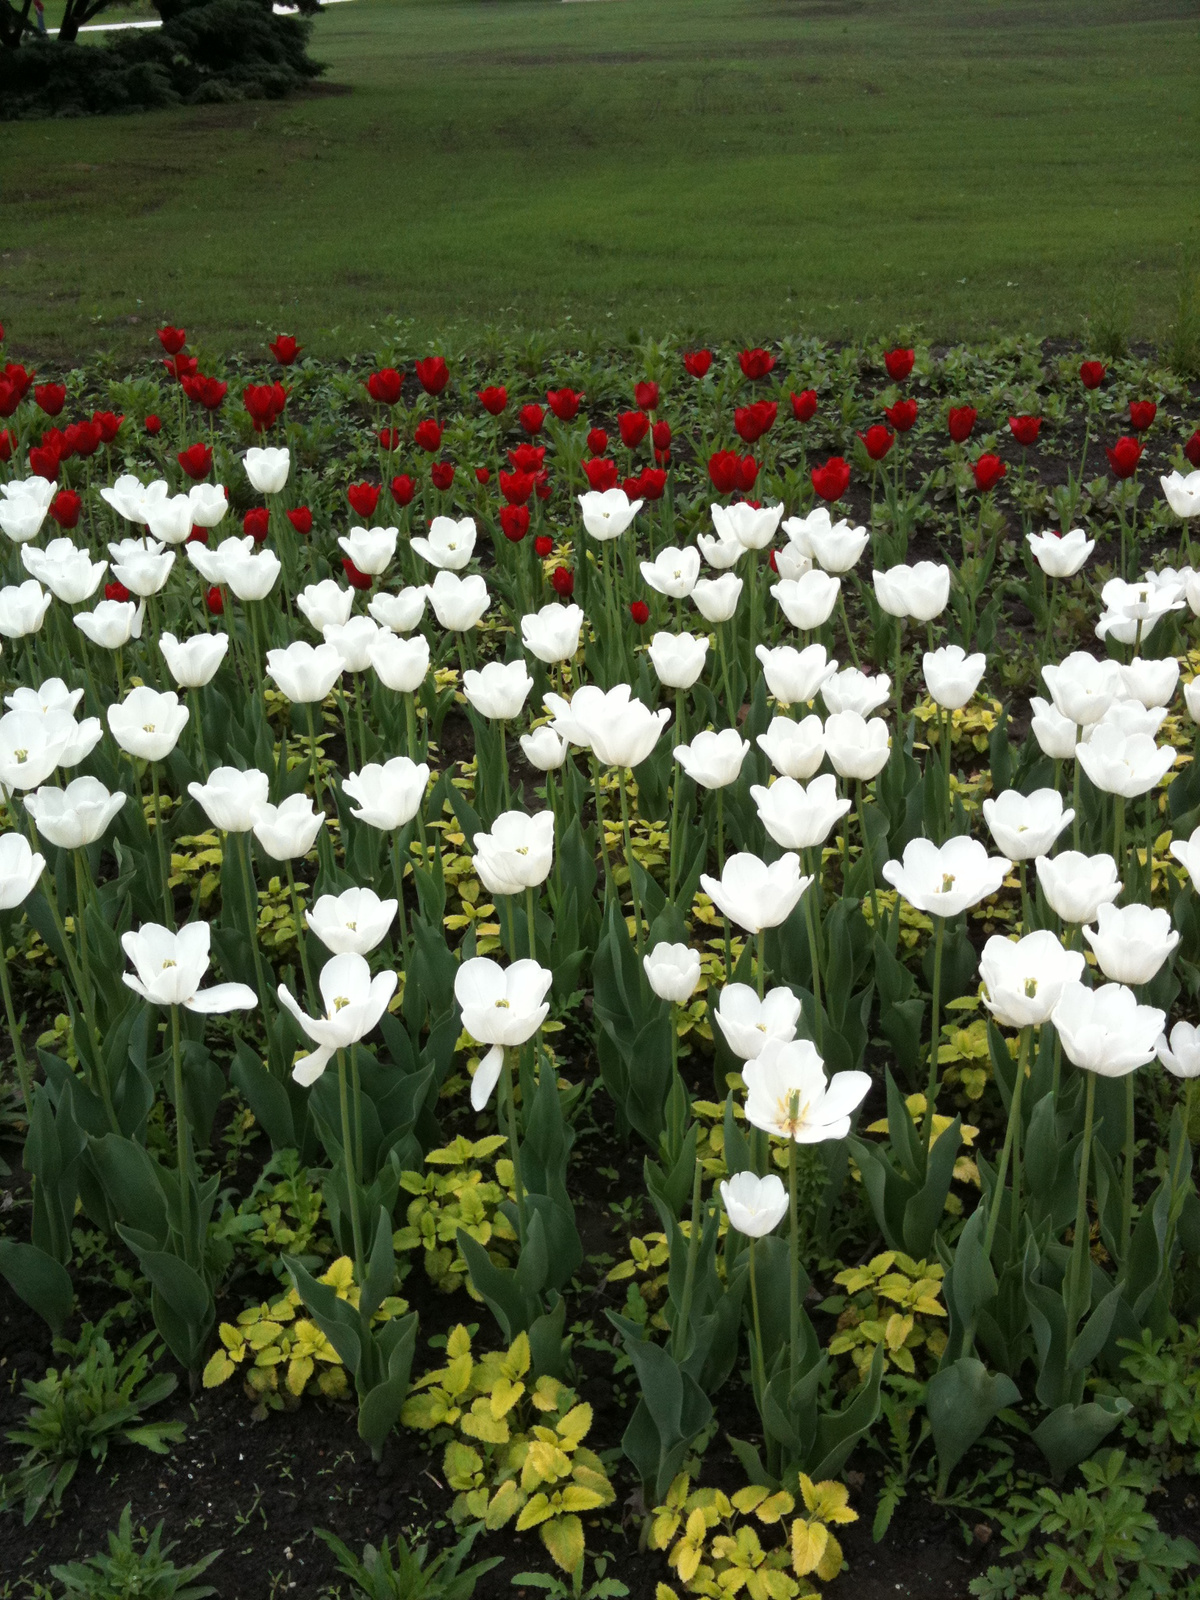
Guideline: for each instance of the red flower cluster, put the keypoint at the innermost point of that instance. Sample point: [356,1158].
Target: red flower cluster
[493,400]
[752,421]
[265,403]
[196,460]
[564,403]
[385,386]
[730,472]
[804,405]
[206,392]
[831,479]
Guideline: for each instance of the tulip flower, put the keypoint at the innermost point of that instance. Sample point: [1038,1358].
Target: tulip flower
[752,526]
[795,677]
[353,640]
[794,749]
[147,724]
[231,799]
[678,658]
[952,676]
[1105,1031]
[1124,765]
[1151,683]
[1182,492]
[755,1206]
[1131,942]
[852,690]
[24,503]
[194,662]
[458,603]
[1061,555]
[209,504]
[325,602]
[303,673]
[401,664]
[388,796]
[831,479]
[142,565]
[354,1003]
[544,749]
[798,818]
[943,880]
[920,592]
[400,613]
[755,895]
[517,854]
[501,1006]
[289,829]
[109,625]
[169,518]
[716,599]
[836,546]
[607,513]
[1025,429]
[857,749]
[1076,886]
[1133,609]
[1129,717]
[789,1097]
[20,868]
[1026,826]
[370,549]
[673,572]
[808,601]
[75,816]
[450,544]
[168,968]
[268,469]
[748,1023]
[552,634]
[877,441]
[499,690]
[1056,735]
[23,608]
[68,572]
[673,972]
[1083,688]
[621,730]
[352,922]
[1181,1056]
[713,760]
[1025,978]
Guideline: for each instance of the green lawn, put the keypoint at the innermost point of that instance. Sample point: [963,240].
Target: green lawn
[726,166]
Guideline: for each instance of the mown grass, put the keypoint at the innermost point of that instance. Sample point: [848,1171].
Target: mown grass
[734,167]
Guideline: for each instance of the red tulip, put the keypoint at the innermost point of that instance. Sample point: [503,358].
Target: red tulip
[640,612]
[301,519]
[385,386]
[531,418]
[804,405]
[257,523]
[752,421]
[390,438]
[355,578]
[172,340]
[65,508]
[493,400]
[9,397]
[661,434]
[516,487]
[152,425]
[1025,429]
[6,445]
[16,374]
[83,438]
[564,403]
[543,544]
[265,403]
[729,471]
[541,486]
[1141,414]
[832,479]
[960,421]
[363,498]
[206,392]
[442,474]
[601,473]
[514,522]
[697,362]
[877,441]
[196,460]
[528,457]
[182,367]
[902,415]
[988,470]
[109,424]
[56,440]
[1092,374]
[1123,457]
[285,349]
[756,363]
[645,396]
[597,441]
[634,426]
[427,435]
[562,581]
[651,483]
[214,599]
[403,489]
[899,364]
[482,475]
[51,397]
[1192,449]
[198,536]
[432,374]
[116,591]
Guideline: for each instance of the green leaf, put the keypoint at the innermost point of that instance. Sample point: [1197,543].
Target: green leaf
[1071,1433]
[42,1282]
[961,1401]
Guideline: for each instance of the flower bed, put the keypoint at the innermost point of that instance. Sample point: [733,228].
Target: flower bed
[609,982]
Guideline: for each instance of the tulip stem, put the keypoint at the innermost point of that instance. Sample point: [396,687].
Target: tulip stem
[514,1146]
[14,1031]
[352,1174]
[181,1138]
[841,600]
[1075,794]
[82,990]
[794,1297]
[939,925]
[679,1341]
[946,725]
[899,621]
[756,1363]
[599,792]
[301,940]
[1127,1174]
[868,853]
[630,863]
[198,723]
[531,921]
[159,844]
[351,764]
[1119,833]
[242,847]
[1080,1285]
[760,962]
[1012,1136]
[814,954]
[81,932]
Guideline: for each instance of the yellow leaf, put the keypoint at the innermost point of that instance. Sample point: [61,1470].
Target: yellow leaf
[832,1562]
[503,1505]
[458,1343]
[574,1497]
[574,1426]
[536,1510]
[300,1370]
[808,1545]
[897,1330]
[504,1396]
[517,1359]
[563,1538]
[218,1369]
